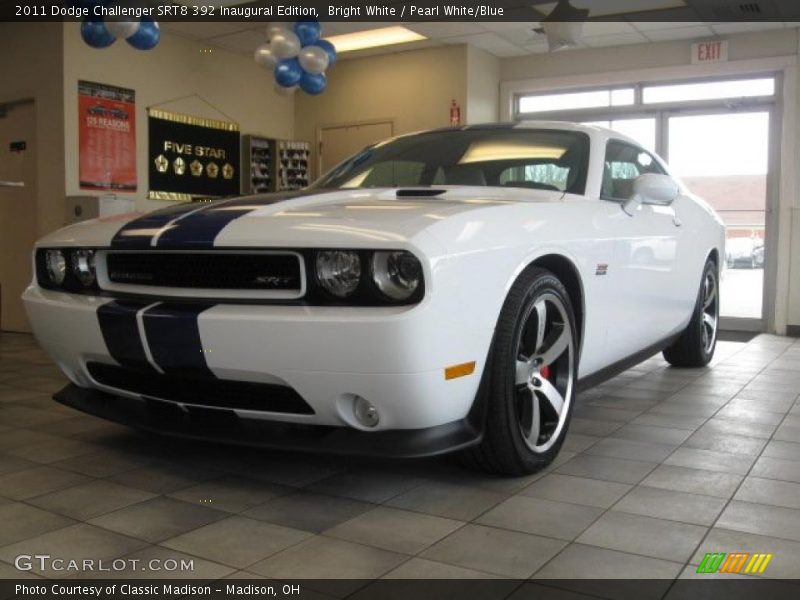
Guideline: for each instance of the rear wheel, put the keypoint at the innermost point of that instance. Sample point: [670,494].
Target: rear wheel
[533,371]
[695,347]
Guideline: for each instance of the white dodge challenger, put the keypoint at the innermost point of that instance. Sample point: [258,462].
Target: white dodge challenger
[441,291]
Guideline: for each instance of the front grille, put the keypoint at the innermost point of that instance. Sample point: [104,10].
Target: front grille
[202,391]
[206,270]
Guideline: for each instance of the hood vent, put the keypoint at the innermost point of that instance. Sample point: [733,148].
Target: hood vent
[420,193]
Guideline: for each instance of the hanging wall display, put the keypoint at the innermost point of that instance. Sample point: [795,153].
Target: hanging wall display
[106,137]
[192,157]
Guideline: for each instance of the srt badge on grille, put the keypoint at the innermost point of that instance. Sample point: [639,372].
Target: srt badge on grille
[273,281]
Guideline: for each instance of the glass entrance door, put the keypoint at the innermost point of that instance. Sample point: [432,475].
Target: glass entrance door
[724,158]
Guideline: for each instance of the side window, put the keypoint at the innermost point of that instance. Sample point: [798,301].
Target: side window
[545,176]
[624,163]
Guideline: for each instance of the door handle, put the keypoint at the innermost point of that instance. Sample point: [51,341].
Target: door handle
[14,184]
[676,221]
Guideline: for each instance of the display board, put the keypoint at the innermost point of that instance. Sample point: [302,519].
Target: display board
[106,137]
[191,157]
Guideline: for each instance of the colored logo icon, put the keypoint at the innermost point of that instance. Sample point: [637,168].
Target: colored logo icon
[735,562]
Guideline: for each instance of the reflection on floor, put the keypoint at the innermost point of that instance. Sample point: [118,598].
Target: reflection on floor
[661,465]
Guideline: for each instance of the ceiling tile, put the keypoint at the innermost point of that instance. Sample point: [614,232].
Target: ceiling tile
[198,30]
[622,39]
[744,27]
[491,42]
[681,33]
[244,42]
[593,28]
[656,25]
[444,30]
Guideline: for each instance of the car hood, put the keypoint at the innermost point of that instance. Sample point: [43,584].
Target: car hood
[358,217]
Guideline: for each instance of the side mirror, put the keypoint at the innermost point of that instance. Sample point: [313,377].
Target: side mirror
[652,188]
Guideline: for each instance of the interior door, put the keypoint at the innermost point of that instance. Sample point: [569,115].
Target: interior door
[17,210]
[342,141]
[723,157]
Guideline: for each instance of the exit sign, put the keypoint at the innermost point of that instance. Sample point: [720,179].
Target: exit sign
[709,52]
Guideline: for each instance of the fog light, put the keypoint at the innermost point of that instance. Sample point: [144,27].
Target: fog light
[366,414]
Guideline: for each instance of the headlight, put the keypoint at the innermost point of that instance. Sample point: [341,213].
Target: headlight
[56,264]
[397,274]
[83,266]
[339,271]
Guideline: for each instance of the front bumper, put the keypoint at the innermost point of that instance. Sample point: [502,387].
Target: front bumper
[227,426]
[393,357]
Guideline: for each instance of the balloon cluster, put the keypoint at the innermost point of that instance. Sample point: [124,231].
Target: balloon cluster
[298,57]
[98,32]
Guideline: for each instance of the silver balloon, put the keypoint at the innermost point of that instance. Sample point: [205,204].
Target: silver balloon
[264,56]
[276,28]
[285,45]
[122,27]
[285,91]
[313,59]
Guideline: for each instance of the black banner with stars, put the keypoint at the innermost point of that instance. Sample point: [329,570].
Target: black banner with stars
[192,157]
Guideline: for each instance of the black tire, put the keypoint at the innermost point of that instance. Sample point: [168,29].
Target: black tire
[506,448]
[693,348]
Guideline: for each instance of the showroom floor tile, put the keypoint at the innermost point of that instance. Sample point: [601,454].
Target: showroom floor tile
[660,466]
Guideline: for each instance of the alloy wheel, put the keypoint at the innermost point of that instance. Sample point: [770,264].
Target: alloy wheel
[545,372]
[710,310]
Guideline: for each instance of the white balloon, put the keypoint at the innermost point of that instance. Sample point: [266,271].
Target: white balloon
[285,91]
[276,28]
[264,56]
[285,45]
[121,26]
[313,59]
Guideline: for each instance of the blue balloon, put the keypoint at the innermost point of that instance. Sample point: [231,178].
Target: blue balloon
[308,30]
[288,72]
[96,35]
[330,49]
[147,36]
[313,84]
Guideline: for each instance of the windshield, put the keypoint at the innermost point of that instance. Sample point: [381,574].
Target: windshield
[544,159]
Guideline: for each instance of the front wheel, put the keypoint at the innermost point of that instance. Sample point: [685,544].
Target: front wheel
[695,347]
[533,369]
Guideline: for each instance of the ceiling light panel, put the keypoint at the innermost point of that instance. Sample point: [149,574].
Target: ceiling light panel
[374,38]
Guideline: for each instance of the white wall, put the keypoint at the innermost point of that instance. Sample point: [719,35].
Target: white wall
[176,68]
[412,88]
[483,86]
[774,51]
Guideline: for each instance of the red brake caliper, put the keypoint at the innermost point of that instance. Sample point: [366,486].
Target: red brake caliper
[545,371]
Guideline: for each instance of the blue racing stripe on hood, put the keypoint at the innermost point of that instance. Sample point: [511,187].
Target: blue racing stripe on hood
[137,234]
[199,230]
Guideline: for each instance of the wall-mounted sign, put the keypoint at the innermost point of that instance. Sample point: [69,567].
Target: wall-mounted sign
[191,157]
[709,52]
[106,137]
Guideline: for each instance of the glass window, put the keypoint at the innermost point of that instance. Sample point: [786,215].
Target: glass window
[641,130]
[541,176]
[575,100]
[713,90]
[624,163]
[551,159]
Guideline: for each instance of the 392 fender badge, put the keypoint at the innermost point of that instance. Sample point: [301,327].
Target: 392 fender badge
[602,269]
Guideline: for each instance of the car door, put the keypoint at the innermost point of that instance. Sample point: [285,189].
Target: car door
[645,255]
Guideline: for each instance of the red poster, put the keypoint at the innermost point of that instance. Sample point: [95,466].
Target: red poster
[107,137]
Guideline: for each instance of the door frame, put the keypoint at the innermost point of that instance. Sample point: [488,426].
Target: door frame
[766,322]
[338,125]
